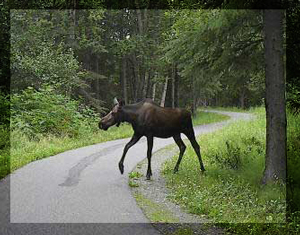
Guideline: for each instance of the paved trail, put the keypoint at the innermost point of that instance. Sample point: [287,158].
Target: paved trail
[80,191]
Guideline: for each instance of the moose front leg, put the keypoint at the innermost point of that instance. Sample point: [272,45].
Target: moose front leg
[135,138]
[149,154]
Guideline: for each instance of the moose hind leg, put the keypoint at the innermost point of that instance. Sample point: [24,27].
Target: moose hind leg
[182,148]
[149,154]
[191,137]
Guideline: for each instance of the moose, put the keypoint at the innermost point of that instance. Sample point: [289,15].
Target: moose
[150,120]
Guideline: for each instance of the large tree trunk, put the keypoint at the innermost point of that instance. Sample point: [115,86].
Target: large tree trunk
[275,162]
[163,97]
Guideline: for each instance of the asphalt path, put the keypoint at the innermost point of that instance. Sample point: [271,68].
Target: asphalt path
[81,191]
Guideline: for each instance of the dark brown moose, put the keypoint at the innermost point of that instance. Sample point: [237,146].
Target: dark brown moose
[150,120]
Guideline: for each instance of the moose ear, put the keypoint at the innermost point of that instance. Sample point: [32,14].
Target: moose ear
[116,101]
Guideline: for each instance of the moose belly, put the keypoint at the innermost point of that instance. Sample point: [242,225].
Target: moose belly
[164,132]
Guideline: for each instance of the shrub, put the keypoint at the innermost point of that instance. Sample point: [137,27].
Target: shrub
[44,112]
[4,107]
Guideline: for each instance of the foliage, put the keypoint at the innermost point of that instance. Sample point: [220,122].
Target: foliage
[293,161]
[36,58]
[292,52]
[222,51]
[4,135]
[5,108]
[45,112]
[4,150]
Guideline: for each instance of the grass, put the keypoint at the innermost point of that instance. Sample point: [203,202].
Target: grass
[183,231]
[133,176]
[4,150]
[23,150]
[206,118]
[230,191]
[157,213]
[229,109]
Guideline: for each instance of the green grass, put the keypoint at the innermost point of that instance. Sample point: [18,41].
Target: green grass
[133,176]
[228,109]
[157,213]
[230,190]
[183,231]
[4,150]
[23,150]
[206,118]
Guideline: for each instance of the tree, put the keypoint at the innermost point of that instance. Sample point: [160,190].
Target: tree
[275,163]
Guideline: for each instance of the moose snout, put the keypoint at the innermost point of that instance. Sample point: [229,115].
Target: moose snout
[102,126]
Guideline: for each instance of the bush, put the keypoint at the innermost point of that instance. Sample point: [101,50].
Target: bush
[238,152]
[4,107]
[4,150]
[44,112]
[293,161]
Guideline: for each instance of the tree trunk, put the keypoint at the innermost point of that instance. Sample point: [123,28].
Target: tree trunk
[136,82]
[275,162]
[124,80]
[148,84]
[173,86]
[176,78]
[139,21]
[153,91]
[98,81]
[146,77]
[194,106]
[163,97]
[242,98]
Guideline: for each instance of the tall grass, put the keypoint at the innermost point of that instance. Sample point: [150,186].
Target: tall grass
[25,150]
[230,190]
[206,118]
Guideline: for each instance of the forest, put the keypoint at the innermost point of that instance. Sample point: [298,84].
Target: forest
[141,53]
[67,66]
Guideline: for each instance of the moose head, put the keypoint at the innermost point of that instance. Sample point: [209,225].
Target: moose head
[113,117]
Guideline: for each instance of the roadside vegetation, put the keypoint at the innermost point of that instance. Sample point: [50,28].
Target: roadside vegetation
[44,123]
[4,135]
[230,191]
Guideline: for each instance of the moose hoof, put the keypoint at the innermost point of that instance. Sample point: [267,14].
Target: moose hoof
[175,170]
[148,177]
[121,167]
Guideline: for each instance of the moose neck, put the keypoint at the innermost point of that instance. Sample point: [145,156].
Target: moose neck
[129,114]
